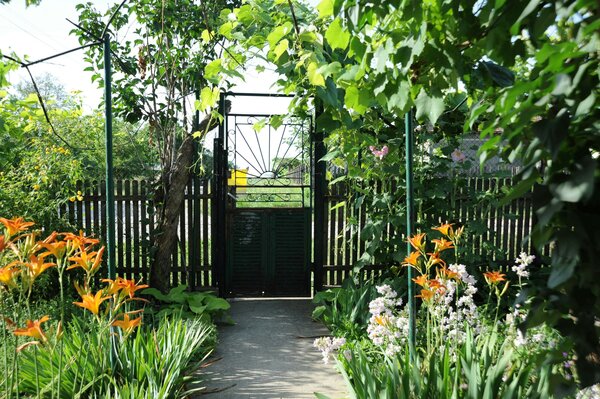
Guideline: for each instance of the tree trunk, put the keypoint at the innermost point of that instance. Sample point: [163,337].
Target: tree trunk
[165,240]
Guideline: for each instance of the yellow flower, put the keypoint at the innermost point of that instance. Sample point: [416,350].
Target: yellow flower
[92,302]
[126,324]
[494,277]
[15,225]
[33,329]
[445,229]
[36,187]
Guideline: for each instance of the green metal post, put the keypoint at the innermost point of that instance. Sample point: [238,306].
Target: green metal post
[110,191]
[410,228]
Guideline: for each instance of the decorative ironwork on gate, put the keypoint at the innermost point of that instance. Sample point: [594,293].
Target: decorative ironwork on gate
[269,163]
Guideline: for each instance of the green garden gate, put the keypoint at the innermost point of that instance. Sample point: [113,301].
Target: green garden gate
[262,212]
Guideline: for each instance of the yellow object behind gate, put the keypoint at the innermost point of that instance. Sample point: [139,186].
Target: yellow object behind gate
[238,178]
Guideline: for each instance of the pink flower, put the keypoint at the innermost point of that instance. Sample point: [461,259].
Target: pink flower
[458,156]
[379,153]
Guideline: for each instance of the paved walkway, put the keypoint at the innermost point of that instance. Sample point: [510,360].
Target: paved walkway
[263,356]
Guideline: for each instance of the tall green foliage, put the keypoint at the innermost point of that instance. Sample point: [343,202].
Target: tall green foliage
[370,62]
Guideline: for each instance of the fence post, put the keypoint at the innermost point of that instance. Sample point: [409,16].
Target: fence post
[319,199]
[408,133]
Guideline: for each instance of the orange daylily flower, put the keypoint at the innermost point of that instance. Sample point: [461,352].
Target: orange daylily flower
[113,285]
[494,277]
[15,225]
[434,259]
[129,287]
[435,283]
[3,242]
[7,275]
[33,329]
[445,229]
[56,248]
[37,266]
[92,302]
[382,320]
[421,280]
[80,241]
[442,244]
[417,241]
[426,294]
[412,259]
[448,273]
[126,324]
[90,262]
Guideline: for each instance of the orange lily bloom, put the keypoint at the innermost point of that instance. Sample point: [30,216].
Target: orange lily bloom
[421,280]
[15,225]
[412,259]
[442,244]
[448,273]
[37,266]
[113,285]
[435,283]
[56,248]
[80,241]
[90,262]
[129,287]
[494,277]
[3,242]
[33,329]
[92,302]
[445,229]
[434,259]
[417,241]
[382,320]
[426,294]
[7,275]
[126,324]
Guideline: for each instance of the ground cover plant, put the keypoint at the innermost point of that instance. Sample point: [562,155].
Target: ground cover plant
[469,337]
[104,350]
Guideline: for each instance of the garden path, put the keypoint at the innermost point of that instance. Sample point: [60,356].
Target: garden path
[264,355]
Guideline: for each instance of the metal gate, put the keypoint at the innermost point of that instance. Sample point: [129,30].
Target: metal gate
[263,202]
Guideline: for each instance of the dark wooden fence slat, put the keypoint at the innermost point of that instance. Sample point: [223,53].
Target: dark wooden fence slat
[136,231]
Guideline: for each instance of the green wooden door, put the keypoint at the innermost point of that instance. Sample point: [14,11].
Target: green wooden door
[268,252]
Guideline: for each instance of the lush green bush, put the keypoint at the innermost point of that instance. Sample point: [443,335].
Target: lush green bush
[466,345]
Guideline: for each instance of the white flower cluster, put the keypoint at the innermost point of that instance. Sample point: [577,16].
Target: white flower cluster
[522,262]
[327,345]
[457,308]
[535,339]
[386,327]
[592,392]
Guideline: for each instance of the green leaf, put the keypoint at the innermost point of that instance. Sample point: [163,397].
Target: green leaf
[276,121]
[260,125]
[213,69]
[356,99]
[579,186]
[503,77]
[215,303]
[336,35]
[281,48]
[314,77]
[330,155]
[208,98]
[429,107]
[325,8]
[278,33]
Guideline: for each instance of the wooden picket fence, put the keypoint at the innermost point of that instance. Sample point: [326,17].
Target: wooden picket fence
[135,228]
[507,228]
[505,235]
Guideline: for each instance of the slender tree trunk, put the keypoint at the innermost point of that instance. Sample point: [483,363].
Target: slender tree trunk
[165,240]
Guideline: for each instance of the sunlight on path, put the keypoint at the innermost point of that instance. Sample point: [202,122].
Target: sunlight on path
[264,356]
